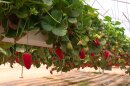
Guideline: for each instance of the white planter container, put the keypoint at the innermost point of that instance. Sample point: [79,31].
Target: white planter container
[33,39]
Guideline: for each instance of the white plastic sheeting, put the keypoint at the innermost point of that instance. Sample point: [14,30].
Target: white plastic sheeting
[117,9]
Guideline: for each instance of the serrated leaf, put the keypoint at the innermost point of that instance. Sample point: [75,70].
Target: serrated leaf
[48,2]
[46,26]
[87,21]
[72,20]
[117,23]
[108,18]
[57,15]
[1,15]
[3,51]
[60,31]
[22,13]
[84,40]
[64,23]
[65,38]
[75,13]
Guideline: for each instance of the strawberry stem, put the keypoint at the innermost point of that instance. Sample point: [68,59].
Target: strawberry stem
[22,73]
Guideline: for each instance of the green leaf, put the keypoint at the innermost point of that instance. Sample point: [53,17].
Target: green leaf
[22,12]
[46,26]
[75,13]
[60,31]
[57,15]
[47,19]
[51,39]
[3,51]
[103,42]
[5,45]
[85,40]
[33,11]
[87,21]
[108,18]
[72,20]
[117,23]
[1,15]
[91,9]
[48,2]
[65,38]
[14,33]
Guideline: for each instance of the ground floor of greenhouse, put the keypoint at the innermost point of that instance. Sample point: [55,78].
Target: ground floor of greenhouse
[42,77]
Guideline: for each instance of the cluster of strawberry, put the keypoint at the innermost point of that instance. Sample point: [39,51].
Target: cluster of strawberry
[82,53]
[27,59]
[59,55]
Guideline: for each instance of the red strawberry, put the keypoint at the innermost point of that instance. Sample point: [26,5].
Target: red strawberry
[82,54]
[14,19]
[83,66]
[27,58]
[17,59]
[107,54]
[92,54]
[51,72]
[127,64]
[108,44]
[89,64]
[36,61]
[47,67]
[114,49]
[67,65]
[59,53]
[16,53]
[127,54]
[50,50]
[97,42]
[53,58]
[110,63]
[0,23]
[73,64]
[117,65]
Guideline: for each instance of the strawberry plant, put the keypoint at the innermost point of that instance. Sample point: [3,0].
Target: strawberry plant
[79,37]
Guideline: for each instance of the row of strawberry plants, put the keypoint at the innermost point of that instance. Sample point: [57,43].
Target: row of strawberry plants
[79,37]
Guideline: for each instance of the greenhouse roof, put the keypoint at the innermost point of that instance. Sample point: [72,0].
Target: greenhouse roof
[117,9]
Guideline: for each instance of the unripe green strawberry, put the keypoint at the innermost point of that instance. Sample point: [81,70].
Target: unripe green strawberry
[69,46]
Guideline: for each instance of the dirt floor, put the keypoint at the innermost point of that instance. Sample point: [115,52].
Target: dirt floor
[42,77]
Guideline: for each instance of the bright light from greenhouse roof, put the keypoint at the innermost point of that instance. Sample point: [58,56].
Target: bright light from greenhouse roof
[117,9]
